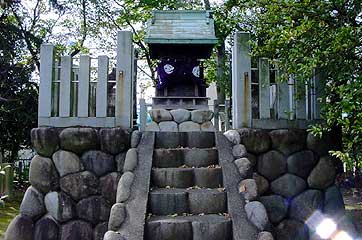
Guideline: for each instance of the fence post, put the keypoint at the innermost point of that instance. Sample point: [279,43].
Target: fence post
[264,88]
[143,114]
[65,81]
[300,98]
[102,95]
[83,86]
[216,114]
[227,119]
[124,74]
[318,92]
[46,77]
[241,81]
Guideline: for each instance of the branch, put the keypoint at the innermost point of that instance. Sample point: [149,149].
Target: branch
[84,30]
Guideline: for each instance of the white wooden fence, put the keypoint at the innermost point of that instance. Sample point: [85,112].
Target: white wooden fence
[259,102]
[82,94]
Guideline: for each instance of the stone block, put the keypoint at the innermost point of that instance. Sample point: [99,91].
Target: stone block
[98,162]
[256,141]
[291,230]
[323,175]
[189,126]
[239,151]
[46,229]
[333,202]
[288,141]
[20,228]
[168,201]
[322,145]
[111,235]
[211,230]
[124,187]
[33,204]
[108,186]
[114,140]
[233,136]
[244,167]
[94,209]
[77,230]
[248,189]
[100,230]
[207,201]
[208,177]
[305,204]
[78,140]
[160,115]
[276,207]
[257,215]
[80,185]
[271,164]
[45,141]
[180,115]
[168,126]
[120,158]
[42,174]
[261,183]
[60,206]
[67,163]
[301,163]
[265,236]
[135,138]
[288,185]
[131,160]
[171,229]
[207,127]
[200,157]
[173,177]
[201,116]
[117,216]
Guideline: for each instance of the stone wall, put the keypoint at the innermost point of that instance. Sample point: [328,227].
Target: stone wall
[180,120]
[74,181]
[288,182]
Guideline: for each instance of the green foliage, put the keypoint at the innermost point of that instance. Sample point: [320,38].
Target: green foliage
[324,35]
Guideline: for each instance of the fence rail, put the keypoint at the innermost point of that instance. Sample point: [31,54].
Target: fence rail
[84,94]
[261,101]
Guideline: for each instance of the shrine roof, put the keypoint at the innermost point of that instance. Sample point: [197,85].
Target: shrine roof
[181,27]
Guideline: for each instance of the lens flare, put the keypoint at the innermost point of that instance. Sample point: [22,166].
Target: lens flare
[326,228]
[342,236]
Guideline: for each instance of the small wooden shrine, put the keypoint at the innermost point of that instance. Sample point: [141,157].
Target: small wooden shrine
[180,40]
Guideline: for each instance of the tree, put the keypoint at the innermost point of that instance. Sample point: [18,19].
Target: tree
[324,35]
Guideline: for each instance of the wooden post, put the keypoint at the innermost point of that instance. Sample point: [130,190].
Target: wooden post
[216,114]
[300,100]
[124,79]
[241,81]
[143,114]
[46,77]
[83,86]
[102,95]
[227,119]
[291,98]
[264,88]
[65,81]
[317,94]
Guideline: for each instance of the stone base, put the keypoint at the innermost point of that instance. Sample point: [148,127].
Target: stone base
[180,120]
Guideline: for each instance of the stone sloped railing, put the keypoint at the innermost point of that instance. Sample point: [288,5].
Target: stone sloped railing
[128,213]
[288,182]
[73,184]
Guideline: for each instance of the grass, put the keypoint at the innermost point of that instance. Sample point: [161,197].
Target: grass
[8,212]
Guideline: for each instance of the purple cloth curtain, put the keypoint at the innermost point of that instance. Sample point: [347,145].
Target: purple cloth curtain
[171,71]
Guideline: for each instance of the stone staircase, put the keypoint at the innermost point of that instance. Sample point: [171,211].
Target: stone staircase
[187,199]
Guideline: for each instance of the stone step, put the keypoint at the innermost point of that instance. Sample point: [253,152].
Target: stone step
[164,201]
[193,157]
[210,227]
[186,177]
[185,139]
